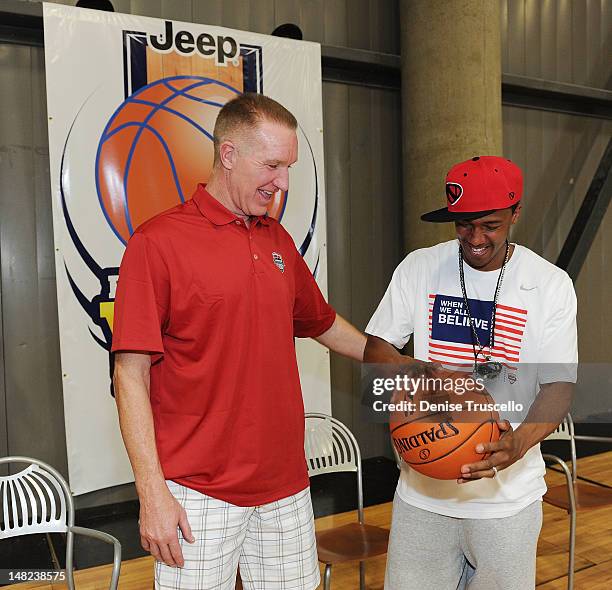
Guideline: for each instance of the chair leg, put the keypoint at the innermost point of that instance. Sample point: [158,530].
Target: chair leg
[327,577]
[572,550]
[362,575]
[69,560]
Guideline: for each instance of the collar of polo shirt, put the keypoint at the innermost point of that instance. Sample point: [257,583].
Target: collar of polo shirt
[215,212]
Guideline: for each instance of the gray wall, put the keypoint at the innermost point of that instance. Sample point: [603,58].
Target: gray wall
[363,168]
[560,154]
[30,385]
[567,41]
[364,200]
[563,40]
[361,24]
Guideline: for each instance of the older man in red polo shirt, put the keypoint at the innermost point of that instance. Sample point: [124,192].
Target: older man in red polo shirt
[211,295]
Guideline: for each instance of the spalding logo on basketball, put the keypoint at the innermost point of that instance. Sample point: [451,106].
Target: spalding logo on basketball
[437,443]
[156,147]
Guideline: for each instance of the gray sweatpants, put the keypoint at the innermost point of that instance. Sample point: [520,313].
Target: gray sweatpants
[428,551]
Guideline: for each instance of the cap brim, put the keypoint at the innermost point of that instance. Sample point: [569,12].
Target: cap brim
[444,215]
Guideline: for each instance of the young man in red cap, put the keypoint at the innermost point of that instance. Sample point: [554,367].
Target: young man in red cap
[498,309]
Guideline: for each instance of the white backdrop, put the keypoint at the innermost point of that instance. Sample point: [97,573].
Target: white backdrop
[96,63]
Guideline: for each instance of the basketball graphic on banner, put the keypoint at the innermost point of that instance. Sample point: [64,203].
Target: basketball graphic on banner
[156,147]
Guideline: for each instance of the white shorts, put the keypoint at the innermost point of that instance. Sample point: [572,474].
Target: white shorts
[274,544]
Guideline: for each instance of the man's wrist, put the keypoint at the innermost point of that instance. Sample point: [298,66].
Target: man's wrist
[528,436]
[151,484]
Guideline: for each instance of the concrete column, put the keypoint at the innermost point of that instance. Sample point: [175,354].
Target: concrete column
[451,100]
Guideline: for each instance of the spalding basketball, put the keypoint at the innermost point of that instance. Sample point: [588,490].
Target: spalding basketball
[442,432]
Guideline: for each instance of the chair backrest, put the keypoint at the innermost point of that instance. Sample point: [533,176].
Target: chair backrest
[330,447]
[565,430]
[34,500]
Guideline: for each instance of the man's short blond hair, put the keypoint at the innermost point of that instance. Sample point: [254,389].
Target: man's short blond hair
[245,112]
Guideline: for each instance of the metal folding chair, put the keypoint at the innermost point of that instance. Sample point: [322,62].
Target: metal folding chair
[38,500]
[330,447]
[574,495]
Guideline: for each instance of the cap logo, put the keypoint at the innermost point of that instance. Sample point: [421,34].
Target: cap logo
[511,195]
[454,191]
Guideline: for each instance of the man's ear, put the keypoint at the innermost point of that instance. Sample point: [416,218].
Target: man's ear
[227,154]
[517,213]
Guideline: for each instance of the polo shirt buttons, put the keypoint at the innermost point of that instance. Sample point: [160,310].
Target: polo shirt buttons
[255,257]
[237,222]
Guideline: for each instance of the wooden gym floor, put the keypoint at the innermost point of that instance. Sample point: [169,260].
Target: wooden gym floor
[593,547]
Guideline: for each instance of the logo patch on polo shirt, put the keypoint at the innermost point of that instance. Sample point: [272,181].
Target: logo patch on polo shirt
[278,260]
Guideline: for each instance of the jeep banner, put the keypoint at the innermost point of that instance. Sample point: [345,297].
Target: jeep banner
[132,103]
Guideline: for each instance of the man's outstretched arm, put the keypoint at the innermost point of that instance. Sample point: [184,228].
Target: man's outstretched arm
[347,340]
[378,350]
[344,339]
[160,513]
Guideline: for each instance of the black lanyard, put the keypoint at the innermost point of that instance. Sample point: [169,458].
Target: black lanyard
[489,369]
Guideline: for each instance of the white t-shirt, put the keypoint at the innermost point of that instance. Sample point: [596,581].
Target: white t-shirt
[535,324]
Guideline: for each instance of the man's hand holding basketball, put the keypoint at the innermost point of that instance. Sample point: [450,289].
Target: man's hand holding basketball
[504,452]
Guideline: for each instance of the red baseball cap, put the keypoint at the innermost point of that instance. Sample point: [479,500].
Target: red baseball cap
[478,187]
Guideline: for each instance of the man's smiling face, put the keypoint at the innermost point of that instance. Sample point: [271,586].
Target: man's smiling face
[483,240]
[260,167]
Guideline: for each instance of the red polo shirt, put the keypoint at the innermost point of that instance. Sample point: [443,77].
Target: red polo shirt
[219,305]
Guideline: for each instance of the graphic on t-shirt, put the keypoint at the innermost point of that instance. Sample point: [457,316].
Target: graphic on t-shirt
[451,338]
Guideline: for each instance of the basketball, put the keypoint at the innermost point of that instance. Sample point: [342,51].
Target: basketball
[442,433]
[156,147]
